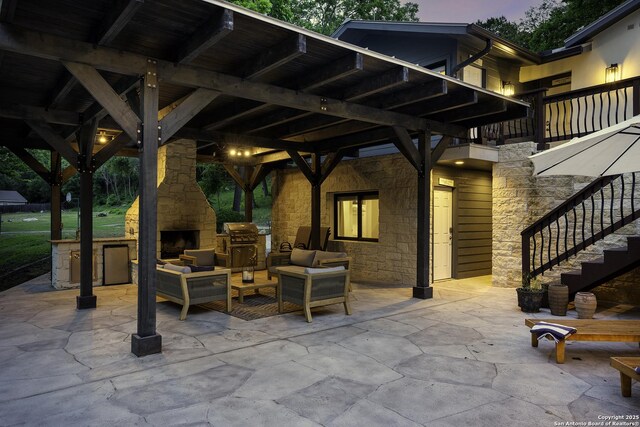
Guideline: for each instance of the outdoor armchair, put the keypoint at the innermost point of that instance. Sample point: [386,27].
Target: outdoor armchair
[313,287]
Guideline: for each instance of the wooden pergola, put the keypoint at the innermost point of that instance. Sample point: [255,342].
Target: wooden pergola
[152,71]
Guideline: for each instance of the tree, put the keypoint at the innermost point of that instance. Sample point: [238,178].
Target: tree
[326,16]
[548,25]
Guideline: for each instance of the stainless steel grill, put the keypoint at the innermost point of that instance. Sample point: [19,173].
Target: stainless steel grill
[241,247]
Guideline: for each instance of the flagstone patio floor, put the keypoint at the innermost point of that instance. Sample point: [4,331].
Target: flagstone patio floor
[461,358]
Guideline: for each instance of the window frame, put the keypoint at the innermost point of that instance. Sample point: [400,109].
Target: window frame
[360,196]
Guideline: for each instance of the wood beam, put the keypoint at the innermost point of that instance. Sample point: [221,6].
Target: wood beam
[111,149]
[86,142]
[447,104]
[217,28]
[354,140]
[65,84]
[102,92]
[147,341]
[316,196]
[302,165]
[67,173]
[238,140]
[185,111]
[475,111]
[404,144]
[28,112]
[118,16]
[235,175]
[329,164]
[33,163]
[370,86]
[248,194]
[274,57]
[437,152]
[344,67]
[54,140]
[423,92]
[59,48]
[260,172]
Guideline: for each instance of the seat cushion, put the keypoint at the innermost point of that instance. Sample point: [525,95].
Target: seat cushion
[178,268]
[309,270]
[322,255]
[202,256]
[302,257]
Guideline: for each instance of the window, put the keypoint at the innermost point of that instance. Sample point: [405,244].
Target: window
[474,75]
[357,216]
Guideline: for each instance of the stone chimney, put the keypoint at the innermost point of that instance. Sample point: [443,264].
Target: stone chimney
[182,206]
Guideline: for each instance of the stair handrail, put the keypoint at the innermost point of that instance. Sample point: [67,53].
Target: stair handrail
[562,211]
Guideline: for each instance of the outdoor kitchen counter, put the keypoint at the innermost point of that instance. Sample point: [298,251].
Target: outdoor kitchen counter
[64,251]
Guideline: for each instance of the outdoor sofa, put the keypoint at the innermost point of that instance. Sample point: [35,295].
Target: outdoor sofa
[306,258]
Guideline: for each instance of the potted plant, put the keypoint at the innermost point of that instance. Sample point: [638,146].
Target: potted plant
[530,294]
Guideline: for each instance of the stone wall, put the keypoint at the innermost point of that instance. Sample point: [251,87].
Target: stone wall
[181,203]
[519,199]
[393,258]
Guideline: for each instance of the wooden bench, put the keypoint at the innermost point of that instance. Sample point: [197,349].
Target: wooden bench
[591,330]
[626,367]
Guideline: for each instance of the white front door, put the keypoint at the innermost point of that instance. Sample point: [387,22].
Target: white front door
[442,234]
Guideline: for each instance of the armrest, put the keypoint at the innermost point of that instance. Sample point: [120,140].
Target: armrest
[222,259]
[335,262]
[277,258]
[187,259]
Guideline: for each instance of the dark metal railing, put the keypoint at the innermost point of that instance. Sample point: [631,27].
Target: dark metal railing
[569,114]
[602,207]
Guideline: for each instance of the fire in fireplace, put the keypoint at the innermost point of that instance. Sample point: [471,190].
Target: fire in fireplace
[174,242]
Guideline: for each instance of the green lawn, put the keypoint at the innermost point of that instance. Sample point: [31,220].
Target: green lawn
[24,237]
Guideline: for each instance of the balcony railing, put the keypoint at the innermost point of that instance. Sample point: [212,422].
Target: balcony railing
[570,114]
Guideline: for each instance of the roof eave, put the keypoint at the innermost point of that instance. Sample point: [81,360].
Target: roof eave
[602,23]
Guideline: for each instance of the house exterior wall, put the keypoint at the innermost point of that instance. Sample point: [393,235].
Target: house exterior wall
[519,199]
[393,258]
[617,44]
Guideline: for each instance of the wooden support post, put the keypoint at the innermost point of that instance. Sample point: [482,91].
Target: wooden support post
[56,196]
[86,299]
[315,202]
[636,97]
[540,120]
[248,194]
[86,138]
[422,289]
[147,341]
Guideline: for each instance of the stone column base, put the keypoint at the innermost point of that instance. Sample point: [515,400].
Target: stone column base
[144,346]
[84,302]
[423,292]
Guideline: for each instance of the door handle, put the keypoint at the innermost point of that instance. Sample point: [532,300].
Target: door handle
[450,233]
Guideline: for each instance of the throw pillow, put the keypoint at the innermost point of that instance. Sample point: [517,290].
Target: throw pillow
[160,262]
[177,268]
[302,257]
[199,268]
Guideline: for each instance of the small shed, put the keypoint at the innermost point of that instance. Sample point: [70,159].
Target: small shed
[11,197]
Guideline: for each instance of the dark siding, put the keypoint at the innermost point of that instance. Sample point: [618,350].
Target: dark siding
[472,220]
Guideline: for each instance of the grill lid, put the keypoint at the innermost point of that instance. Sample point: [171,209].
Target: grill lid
[234,228]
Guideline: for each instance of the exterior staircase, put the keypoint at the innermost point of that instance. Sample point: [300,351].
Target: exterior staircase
[589,216]
[594,273]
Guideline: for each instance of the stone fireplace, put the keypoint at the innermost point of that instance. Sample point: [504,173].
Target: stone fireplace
[185,218]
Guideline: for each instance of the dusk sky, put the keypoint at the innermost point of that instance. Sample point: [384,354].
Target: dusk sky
[468,11]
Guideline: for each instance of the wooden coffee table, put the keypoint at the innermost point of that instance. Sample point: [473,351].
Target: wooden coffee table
[256,286]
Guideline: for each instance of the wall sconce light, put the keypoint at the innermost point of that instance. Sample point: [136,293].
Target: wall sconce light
[508,89]
[612,73]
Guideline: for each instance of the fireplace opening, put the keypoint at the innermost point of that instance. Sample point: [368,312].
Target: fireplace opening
[174,242]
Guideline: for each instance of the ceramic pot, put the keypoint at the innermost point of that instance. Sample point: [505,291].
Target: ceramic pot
[529,299]
[558,299]
[585,305]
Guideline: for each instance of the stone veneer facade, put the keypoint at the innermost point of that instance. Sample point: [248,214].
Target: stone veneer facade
[181,203]
[519,199]
[393,258]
